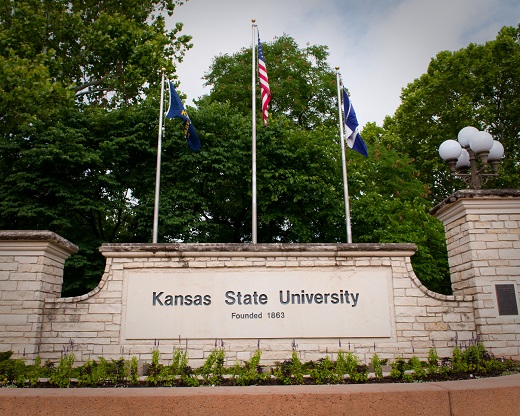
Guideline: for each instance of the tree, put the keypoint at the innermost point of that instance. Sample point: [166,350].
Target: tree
[390,204]
[108,52]
[206,196]
[299,180]
[84,165]
[478,85]
[302,83]
[78,97]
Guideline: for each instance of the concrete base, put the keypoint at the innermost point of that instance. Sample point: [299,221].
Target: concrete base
[490,396]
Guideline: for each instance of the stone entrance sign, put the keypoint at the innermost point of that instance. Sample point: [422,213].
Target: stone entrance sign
[316,299]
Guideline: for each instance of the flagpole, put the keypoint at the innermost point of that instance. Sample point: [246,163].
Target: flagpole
[342,141]
[253,76]
[158,169]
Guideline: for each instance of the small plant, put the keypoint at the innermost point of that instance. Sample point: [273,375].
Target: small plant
[12,372]
[179,372]
[118,371]
[349,364]
[213,368]
[419,373]
[377,365]
[290,371]
[250,373]
[179,362]
[154,376]
[134,371]
[188,378]
[86,374]
[398,368]
[458,364]
[61,375]
[325,372]
[102,370]
[433,362]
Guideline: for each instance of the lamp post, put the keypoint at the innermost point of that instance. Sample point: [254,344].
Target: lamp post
[462,155]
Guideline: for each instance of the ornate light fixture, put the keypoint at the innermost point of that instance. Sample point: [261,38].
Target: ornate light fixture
[462,154]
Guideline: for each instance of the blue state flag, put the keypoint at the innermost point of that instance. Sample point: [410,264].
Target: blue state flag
[176,110]
[354,140]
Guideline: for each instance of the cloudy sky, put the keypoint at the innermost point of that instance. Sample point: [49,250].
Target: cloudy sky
[379,45]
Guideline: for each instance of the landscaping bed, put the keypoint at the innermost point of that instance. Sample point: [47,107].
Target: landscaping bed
[466,363]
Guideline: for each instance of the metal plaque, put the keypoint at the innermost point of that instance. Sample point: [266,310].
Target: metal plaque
[506,299]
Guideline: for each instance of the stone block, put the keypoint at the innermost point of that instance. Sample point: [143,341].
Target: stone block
[243,356]
[72,327]
[452,317]
[104,308]
[436,326]
[406,301]
[9,267]
[408,319]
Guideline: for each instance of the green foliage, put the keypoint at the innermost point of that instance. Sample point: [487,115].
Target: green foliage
[398,368]
[79,92]
[290,371]
[106,53]
[134,371]
[302,83]
[324,372]
[457,361]
[120,371]
[472,361]
[347,363]
[388,201]
[475,359]
[87,374]
[250,373]
[433,362]
[419,373]
[377,366]
[213,368]
[101,371]
[61,375]
[179,370]
[13,372]
[478,85]
[114,372]
[155,374]
[74,145]
[35,372]
[177,373]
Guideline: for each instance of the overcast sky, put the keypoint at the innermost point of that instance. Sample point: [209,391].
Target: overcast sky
[379,45]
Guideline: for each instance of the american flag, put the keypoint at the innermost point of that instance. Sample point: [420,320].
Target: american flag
[264,82]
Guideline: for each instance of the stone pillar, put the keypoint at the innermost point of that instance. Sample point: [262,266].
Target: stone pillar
[483,240]
[31,270]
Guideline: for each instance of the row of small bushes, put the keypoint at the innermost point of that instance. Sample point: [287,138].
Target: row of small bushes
[347,368]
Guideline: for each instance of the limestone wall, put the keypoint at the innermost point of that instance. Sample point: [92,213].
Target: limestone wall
[483,240]
[31,270]
[483,236]
[92,324]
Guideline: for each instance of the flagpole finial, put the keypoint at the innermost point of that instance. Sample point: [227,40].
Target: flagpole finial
[337,68]
[253,20]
